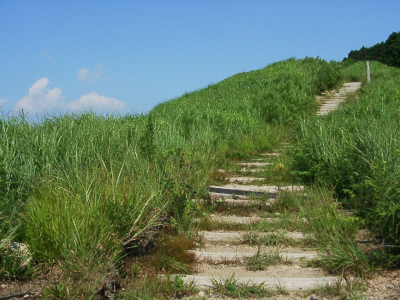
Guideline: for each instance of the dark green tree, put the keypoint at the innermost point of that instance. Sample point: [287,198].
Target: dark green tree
[385,52]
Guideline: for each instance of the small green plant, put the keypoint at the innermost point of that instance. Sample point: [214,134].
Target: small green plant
[343,289]
[288,201]
[267,239]
[151,287]
[232,288]
[262,260]
[175,284]
[15,258]
[83,278]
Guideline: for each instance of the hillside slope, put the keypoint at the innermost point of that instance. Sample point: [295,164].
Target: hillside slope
[83,191]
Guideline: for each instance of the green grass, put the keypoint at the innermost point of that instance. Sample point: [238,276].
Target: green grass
[232,288]
[152,287]
[263,259]
[276,172]
[88,192]
[343,289]
[334,234]
[83,191]
[355,150]
[272,239]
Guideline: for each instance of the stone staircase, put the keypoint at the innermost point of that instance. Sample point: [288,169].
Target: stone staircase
[333,101]
[258,245]
[227,251]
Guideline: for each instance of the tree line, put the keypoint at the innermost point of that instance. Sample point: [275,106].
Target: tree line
[385,52]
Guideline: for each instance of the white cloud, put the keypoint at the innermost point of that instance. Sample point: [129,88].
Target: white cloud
[42,99]
[95,101]
[85,74]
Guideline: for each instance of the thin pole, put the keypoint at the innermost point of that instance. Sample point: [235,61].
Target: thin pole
[368,73]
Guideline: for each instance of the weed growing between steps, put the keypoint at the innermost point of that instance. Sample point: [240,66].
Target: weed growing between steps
[288,202]
[222,207]
[149,287]
[285,221]
[343,289]
[276,171]
[263,259]
[268,239]
[232,288]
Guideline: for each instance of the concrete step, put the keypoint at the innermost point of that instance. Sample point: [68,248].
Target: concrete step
[245,190]
[226,196]
[332,102]
[330,105]
[239,253]
[237,237]
[335,97]
[246,202]
[278,270]
[237,220]
[290,284]
[245,179]
[237,202]
[352,86]
[271,154]
[252,170]
[326,108]
[254,164]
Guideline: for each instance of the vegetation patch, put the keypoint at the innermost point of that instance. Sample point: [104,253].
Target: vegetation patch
[232,288]
[355,150]
[82,191]
[262,260]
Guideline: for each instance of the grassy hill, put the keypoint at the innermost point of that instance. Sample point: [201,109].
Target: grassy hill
[85,191]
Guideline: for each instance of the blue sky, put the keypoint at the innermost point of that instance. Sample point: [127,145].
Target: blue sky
[127,56]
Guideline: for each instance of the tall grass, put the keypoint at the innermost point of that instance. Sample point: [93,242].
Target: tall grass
[334,234]
[83,188]
[356,151]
